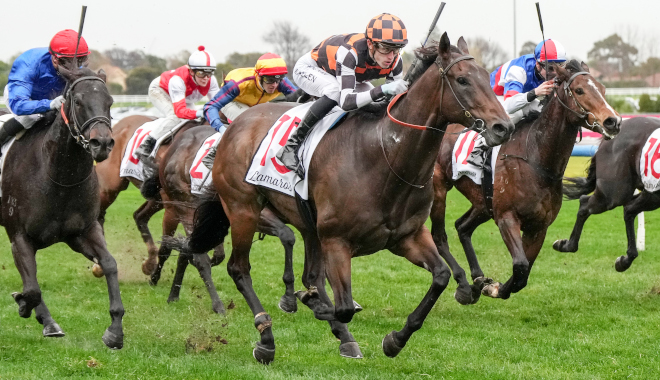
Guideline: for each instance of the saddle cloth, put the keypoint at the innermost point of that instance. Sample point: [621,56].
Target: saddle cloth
[200,175]
[464,145]
[267,171]
[649,165]
[131,166]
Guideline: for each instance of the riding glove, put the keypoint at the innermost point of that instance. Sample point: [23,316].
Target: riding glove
[199,113]
[56,103]
[217,125]
[395,87]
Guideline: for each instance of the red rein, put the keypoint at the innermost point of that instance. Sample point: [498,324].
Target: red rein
[389,106]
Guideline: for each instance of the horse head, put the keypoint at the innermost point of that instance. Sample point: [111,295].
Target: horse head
[470,100]
[86,111]
[584,96]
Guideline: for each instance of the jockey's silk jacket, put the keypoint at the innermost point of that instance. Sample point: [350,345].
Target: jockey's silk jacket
[241,85]
[185,92]
[513,80]
[33,83]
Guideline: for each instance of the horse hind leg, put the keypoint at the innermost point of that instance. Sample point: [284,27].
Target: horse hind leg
[644,202]
[273,226]
[510,230]
[170,223]
[588,205]
[465,227]
[141,217]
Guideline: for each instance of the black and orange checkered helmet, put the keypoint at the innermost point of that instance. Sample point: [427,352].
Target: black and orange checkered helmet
[388,29]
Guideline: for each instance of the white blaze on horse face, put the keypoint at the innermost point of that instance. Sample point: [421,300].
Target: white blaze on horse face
[592,84]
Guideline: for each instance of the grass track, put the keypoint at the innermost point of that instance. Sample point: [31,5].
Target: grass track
[577,319]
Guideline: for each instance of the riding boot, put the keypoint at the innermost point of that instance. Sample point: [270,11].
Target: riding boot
[210,157]
[288,154]
[8,130]
[144,150]
[478,156]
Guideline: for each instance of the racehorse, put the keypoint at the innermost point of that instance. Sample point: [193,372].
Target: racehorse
[174,179]
[613,176]
[369,183]
[50,194]
[527,179]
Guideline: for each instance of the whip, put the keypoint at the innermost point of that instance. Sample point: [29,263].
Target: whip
[435,21]
[538,11]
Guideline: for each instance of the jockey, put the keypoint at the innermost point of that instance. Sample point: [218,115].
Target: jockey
[34,85]
[248,87]
[521,81]
[175,92]
[338,71]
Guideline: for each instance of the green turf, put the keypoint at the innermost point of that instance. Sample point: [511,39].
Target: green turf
[577,318]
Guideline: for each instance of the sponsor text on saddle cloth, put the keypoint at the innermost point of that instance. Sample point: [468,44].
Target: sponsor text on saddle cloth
[268,172]
[131,166]
[5,148]
[200,175]
[649,162]
[464,145]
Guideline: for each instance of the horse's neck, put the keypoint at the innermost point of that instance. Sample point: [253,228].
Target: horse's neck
[554,137]
[67,161]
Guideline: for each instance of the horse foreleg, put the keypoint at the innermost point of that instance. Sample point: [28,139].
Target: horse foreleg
[588,205]
[141,217]
[420,250]
[273,226]
[26,263]
[92,243]
[464,294]
[644,202]
[170,223]
[510,230]
[465,226]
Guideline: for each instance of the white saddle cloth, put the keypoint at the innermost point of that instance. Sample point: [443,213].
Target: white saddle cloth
[649,163]
[464,145]
[267,171]
[200,175]
[131,166]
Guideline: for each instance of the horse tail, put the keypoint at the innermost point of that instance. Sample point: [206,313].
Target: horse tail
[210,226]
[151,187]
[575,187]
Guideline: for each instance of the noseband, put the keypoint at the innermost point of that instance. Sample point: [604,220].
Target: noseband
[583,114]
[479,125]
[75,130]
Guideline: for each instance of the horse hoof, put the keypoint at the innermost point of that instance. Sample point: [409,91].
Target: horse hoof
[305,295]
[491,290]
[23,310]
[350,350]
[112,340]
[217,260]
[219,308]
[97,271]
[620,265]
[288,304]
[171,299]
[149,267]
[481,282]
[561,246]
[262,354]
[390,348]
[463,297]
[357,306]
[53,330]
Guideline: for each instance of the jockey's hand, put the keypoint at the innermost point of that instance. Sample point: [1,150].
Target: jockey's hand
[217,125]
[544,89]
[199,113]
[394,88]
[56,103]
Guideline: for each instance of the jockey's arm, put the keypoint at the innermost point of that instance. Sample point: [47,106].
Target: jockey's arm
[349,99]
[224,96]
[287,87]
[21,79]
[177,90]
[514,97]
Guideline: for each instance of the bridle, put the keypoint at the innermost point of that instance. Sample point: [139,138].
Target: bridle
[75,130]
[583,114]
[478,126]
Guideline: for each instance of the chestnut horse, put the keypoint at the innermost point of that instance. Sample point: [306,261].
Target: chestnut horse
[613,176]
[528,178]
[50,194]
[370,183]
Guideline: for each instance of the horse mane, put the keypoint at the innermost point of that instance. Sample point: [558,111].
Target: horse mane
[426,56]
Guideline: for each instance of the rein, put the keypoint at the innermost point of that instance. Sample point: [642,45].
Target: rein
[74,129]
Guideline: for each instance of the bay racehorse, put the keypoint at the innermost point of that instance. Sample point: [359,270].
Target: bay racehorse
[370,184]
[527,179]
[613,176]
[50,194]
[174,180]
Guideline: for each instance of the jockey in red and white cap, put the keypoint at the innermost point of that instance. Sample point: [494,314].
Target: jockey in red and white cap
[34,85]
[175,92]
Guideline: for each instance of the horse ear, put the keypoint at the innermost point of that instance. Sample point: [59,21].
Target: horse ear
[462,46]
[66,73]
[445,47]
[101,74]
[562,73]
[585,67]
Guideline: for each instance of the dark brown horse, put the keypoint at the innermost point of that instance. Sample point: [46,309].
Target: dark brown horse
[613,176]
[528,178]
[174,175]
[370,184]
[50,194]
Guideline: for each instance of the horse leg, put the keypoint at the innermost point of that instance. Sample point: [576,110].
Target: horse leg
[465,226]
[141,217]
[170,223]
[420,250]
[26,263]
[92,243]
[510,230]
[181,265]
[273,226]
[589,204]
[218,255]
[464,294]
[645,201]
[317,299]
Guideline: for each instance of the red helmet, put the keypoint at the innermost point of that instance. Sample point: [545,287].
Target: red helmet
[270,64]
[64,43]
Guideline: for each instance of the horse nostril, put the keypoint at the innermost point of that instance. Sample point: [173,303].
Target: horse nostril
[94,143]
[111,144]
[611,123]
[500,130]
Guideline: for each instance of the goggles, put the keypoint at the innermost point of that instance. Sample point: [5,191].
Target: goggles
[271,79]
[204,73]
[386,49]
[67,62]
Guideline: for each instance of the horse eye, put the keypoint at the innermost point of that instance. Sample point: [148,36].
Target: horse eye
[462,81]
[579,91]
